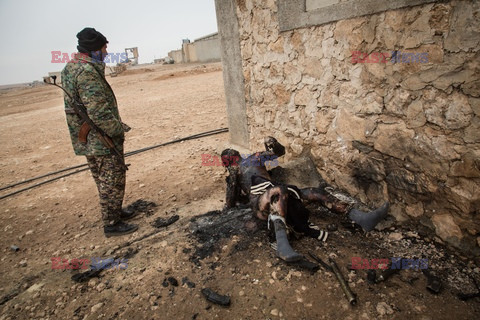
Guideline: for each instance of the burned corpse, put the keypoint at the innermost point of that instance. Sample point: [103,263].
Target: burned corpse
[283,205]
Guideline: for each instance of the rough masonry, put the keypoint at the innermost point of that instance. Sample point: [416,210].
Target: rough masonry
[407,132]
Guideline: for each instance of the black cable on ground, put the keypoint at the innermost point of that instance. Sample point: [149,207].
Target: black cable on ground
[131,153]
[195,136]
[42,183]
[42,176]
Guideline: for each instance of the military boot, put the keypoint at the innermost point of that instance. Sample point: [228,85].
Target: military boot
[119,229]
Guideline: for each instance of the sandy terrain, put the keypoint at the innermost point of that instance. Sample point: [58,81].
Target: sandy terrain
[61,219]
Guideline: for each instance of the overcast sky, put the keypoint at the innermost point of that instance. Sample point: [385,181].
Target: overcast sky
[31,29]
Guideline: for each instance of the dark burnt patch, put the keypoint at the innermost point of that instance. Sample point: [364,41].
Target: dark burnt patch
[210,229]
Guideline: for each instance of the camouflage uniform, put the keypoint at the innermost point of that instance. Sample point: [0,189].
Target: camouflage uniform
[83,82]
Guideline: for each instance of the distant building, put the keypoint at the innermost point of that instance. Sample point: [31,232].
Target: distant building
[204,49]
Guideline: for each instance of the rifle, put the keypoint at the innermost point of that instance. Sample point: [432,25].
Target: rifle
[88,125]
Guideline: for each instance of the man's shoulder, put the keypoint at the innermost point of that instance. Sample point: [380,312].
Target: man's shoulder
[80,68]
[72,70]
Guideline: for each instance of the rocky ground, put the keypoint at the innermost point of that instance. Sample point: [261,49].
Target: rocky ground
[167,266]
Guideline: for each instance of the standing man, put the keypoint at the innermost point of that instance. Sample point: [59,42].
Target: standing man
[84,79]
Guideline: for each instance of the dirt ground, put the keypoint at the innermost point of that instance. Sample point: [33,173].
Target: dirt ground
[168,267]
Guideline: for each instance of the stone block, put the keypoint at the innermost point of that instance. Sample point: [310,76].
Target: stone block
[296,146]
[468,166]
[415,115]
[458,113]
[413,183]
[415,210]
[396,101]
[464,27]
[350,127]
[394,139]
[292,74]
[413,83]
[398,212]
[313,68]
[323,120]
[303,96]
[472,132]
[445,227]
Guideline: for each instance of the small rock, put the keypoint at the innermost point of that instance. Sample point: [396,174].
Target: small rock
[153,300]
[36,287]
[411,234]
[97,307]
[420,309]
[188,283]
[165,283]
[173,281]
[28,232]
[101,287]
[396,236]
[274,312]
[23,263]
[383,308]
[241,293]
[92,283]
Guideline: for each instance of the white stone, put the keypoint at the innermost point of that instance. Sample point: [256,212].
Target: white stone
[396,236]
[96,307]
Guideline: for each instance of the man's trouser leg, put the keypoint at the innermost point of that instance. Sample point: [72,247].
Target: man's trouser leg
[110,178]
[367,220]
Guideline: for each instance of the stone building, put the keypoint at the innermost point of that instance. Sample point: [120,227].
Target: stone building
[204,49]
[325,77]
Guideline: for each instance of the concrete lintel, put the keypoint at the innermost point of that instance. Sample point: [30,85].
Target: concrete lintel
[292,14]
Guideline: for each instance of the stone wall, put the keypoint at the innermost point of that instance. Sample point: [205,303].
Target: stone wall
[208,48]
[176,55]
[407,132]
[205,49]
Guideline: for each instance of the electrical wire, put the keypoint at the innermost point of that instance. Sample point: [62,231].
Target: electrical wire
[131,153]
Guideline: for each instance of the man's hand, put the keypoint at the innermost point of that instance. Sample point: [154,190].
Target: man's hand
[273,146]
[126,127]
